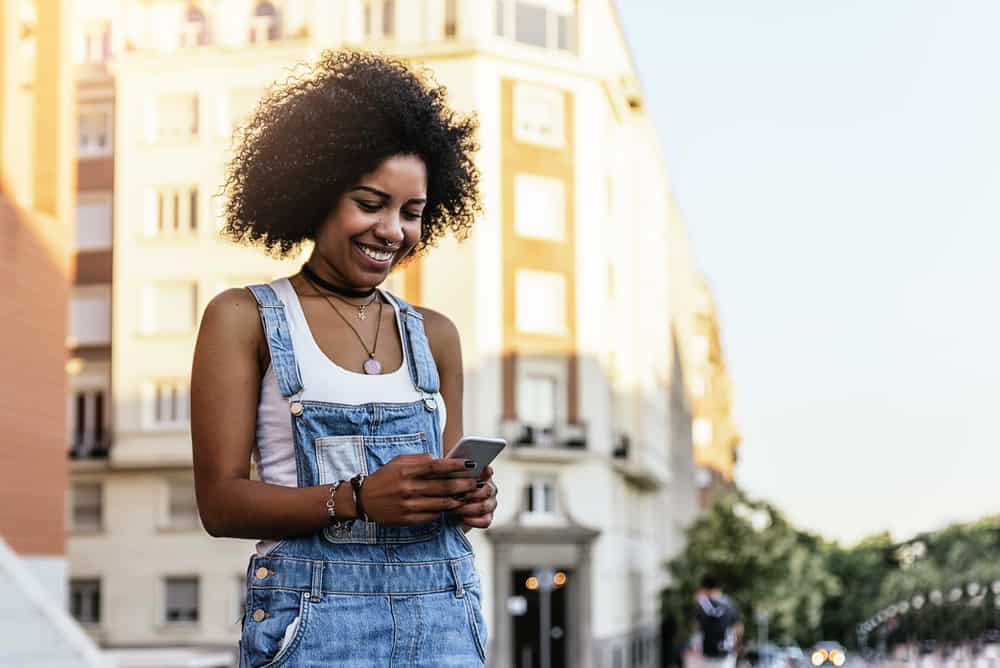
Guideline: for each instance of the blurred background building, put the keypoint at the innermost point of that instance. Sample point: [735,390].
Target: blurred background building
[589,339]
[36,205]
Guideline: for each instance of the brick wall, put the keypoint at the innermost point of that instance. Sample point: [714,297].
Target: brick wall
[33,449]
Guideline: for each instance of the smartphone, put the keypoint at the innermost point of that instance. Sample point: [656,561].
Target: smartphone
[480,450]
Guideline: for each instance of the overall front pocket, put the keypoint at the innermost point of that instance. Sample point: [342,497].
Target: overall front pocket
[343,457]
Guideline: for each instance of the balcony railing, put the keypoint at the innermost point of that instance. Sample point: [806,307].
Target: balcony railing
[563,435]
[90,446]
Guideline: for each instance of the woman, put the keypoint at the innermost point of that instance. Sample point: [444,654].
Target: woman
[345,396]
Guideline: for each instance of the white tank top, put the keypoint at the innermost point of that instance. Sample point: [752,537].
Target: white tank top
[322,380]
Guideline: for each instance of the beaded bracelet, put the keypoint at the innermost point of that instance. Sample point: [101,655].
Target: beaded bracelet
[356,484]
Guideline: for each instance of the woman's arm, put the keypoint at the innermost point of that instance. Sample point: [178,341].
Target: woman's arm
[446,347]
[229,361]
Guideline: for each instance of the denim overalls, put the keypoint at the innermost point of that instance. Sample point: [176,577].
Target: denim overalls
[380,596]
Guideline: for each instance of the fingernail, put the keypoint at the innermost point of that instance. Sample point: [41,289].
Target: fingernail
[479,484]
[469,464]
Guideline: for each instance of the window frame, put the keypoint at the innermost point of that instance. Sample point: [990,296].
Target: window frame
[174,134]
[151,322]
[74,524]
[165,583]
[90,110]
[528,281]
[528,98]
[94,586]
[543,186]
[152,401]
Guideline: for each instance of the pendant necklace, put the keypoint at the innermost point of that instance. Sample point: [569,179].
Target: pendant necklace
[372,366]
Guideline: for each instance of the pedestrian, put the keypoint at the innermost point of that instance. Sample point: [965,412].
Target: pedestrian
[719,627]
[343,395]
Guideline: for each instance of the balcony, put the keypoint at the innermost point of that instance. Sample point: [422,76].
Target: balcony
[92,445]
[559,442]
[638,464]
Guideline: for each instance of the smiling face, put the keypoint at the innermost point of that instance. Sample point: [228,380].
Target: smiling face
[375,224]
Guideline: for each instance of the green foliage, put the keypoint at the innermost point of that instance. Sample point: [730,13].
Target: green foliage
[813,589]
[763,563]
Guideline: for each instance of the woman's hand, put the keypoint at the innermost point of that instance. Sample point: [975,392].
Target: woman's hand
[401,492]
[478,505]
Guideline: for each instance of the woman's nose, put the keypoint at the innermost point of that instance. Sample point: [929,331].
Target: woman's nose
[390,229]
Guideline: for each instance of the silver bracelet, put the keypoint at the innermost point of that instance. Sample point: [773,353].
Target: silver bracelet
[340,528]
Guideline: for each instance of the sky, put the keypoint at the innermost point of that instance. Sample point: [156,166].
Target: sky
[838,168]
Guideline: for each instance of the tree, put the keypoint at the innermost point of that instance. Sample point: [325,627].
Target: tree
[763,563]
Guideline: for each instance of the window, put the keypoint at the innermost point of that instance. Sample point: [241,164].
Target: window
[90,316]
[501,26]
[87,421]
[540,302]
[177,117]
[182,508]
[171,211]
[93,221]
[242,104]
[95,130]
[539,207]
[88,509]
[265,25]
[565,32]
[195,28]
[94,45]
[540,497]
[388,17]
[537,400]
[180,600]
[450,18]
[701,432]
[540,23]
[529,23]
[169,308]
[538,115]
[700,346]
[166,404]
[380,13]
[85,600]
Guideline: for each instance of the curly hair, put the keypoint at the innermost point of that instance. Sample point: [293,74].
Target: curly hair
[312,137]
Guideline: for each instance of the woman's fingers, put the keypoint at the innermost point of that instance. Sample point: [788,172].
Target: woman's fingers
[481,522]
[484,507]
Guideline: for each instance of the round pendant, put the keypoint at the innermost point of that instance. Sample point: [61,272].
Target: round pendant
[373,367]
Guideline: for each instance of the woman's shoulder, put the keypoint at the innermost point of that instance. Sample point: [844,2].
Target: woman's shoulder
[234,313]
[439,328]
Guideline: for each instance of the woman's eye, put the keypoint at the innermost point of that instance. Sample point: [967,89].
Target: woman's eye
[368,206]
[412,215]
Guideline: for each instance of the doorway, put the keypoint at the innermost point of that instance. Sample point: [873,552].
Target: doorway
[527,625]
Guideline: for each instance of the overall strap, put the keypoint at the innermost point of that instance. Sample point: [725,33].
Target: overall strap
[423,370]
[279,339]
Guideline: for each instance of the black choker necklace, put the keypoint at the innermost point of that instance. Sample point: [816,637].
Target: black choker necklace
[335,289]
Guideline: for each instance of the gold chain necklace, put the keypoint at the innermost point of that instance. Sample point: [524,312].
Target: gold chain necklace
[372,366]
[362,308]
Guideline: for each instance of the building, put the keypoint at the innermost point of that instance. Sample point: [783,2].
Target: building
[36,200]
[708,385]
[564,308]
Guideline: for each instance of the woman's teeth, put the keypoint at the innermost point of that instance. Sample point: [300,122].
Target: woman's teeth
[378,255]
